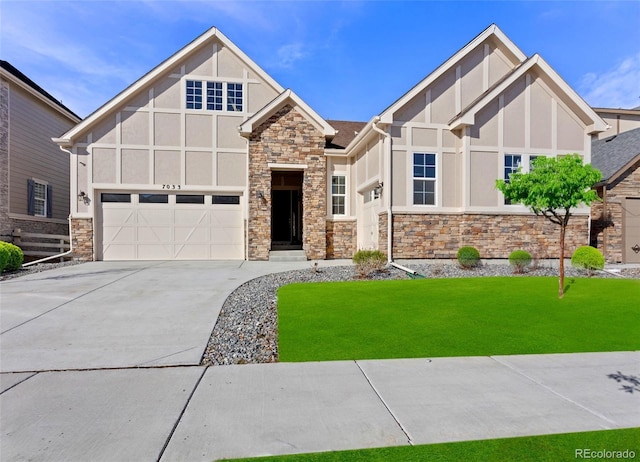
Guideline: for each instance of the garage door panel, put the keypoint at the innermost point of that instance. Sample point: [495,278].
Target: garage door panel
[192,252]
[155,217]
[154,234]
[171,231]
[227,252]
[192,217]
[119,252]
[155,252]
[192,234]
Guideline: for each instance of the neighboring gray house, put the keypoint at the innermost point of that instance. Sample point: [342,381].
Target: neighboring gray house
[34,172]
[615,222]
[208,157]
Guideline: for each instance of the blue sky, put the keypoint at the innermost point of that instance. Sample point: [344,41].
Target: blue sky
[349,60]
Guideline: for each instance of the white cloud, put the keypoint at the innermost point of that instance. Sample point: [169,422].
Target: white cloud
[289,54]
[616,88]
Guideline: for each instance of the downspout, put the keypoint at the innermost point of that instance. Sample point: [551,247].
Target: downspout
[387,182]
[63,254]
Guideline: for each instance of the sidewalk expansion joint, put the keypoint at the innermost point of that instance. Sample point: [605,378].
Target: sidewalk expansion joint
[404,430]
[184,409]
[114,368]
[551,390]
[18,383]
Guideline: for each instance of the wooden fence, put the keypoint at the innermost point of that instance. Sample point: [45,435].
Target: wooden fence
[41,245]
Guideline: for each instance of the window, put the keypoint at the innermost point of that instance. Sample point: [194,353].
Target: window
[234,97]
[338,194]
[512,163]
[189,199]
[39,198]
[194,94]
[112,197]
[154,199]
[233,200]
[531,159]
[214,96]
[424,179]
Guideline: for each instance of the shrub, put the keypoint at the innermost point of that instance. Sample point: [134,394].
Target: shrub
[369,261]
[15,256]
[588,258]
[4,257]
[519,259]
[468,257]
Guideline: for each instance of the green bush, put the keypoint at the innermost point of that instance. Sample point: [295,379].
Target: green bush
[15,256]
[468,257]
[588,258]
[519,259]
[4,257]
[369,261]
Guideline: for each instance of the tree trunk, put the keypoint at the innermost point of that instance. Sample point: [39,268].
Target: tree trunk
[563,228]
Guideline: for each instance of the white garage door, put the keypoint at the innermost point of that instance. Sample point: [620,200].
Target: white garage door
[170,227]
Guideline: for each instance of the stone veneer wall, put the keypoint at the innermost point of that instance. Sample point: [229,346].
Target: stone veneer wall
[607,232]
[341,239]
[495,236]
[287,138]
[82,239]
[383,232]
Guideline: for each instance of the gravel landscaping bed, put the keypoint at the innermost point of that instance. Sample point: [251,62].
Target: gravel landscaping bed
[37,268]
[247,332]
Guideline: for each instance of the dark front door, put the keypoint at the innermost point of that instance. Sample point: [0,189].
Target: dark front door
[286,210]
[286,220]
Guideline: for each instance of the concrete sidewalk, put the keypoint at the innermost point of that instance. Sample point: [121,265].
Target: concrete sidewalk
[196,413]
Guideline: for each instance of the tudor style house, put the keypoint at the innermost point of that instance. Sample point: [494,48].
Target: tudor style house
[34,174]
[207,157]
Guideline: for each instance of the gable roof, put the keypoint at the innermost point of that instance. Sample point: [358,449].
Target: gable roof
[491,31]
[18,77]
[286,97]
[615,154]
[467,116]
[165,66]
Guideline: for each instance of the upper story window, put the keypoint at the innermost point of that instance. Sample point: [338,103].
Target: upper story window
[194,94]
[234,97]
[338,194]
[424,178]
[512,163]
[212,96]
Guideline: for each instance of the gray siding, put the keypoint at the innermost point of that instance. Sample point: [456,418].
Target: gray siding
[32,154]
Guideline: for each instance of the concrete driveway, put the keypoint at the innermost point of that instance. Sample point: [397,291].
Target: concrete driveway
[117,314]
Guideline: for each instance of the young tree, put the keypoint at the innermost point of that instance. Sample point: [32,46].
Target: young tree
[552,188]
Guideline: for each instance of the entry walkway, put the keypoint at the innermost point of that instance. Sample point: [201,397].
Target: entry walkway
[100,362]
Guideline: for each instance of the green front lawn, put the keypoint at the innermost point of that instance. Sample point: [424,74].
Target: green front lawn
[456,317]
[547,448]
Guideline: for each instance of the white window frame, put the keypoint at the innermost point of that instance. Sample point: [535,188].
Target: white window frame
[214,95]
[335,195]
[39,200]
[512,169]
[424,178]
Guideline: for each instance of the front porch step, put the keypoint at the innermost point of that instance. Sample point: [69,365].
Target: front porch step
[287,255]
